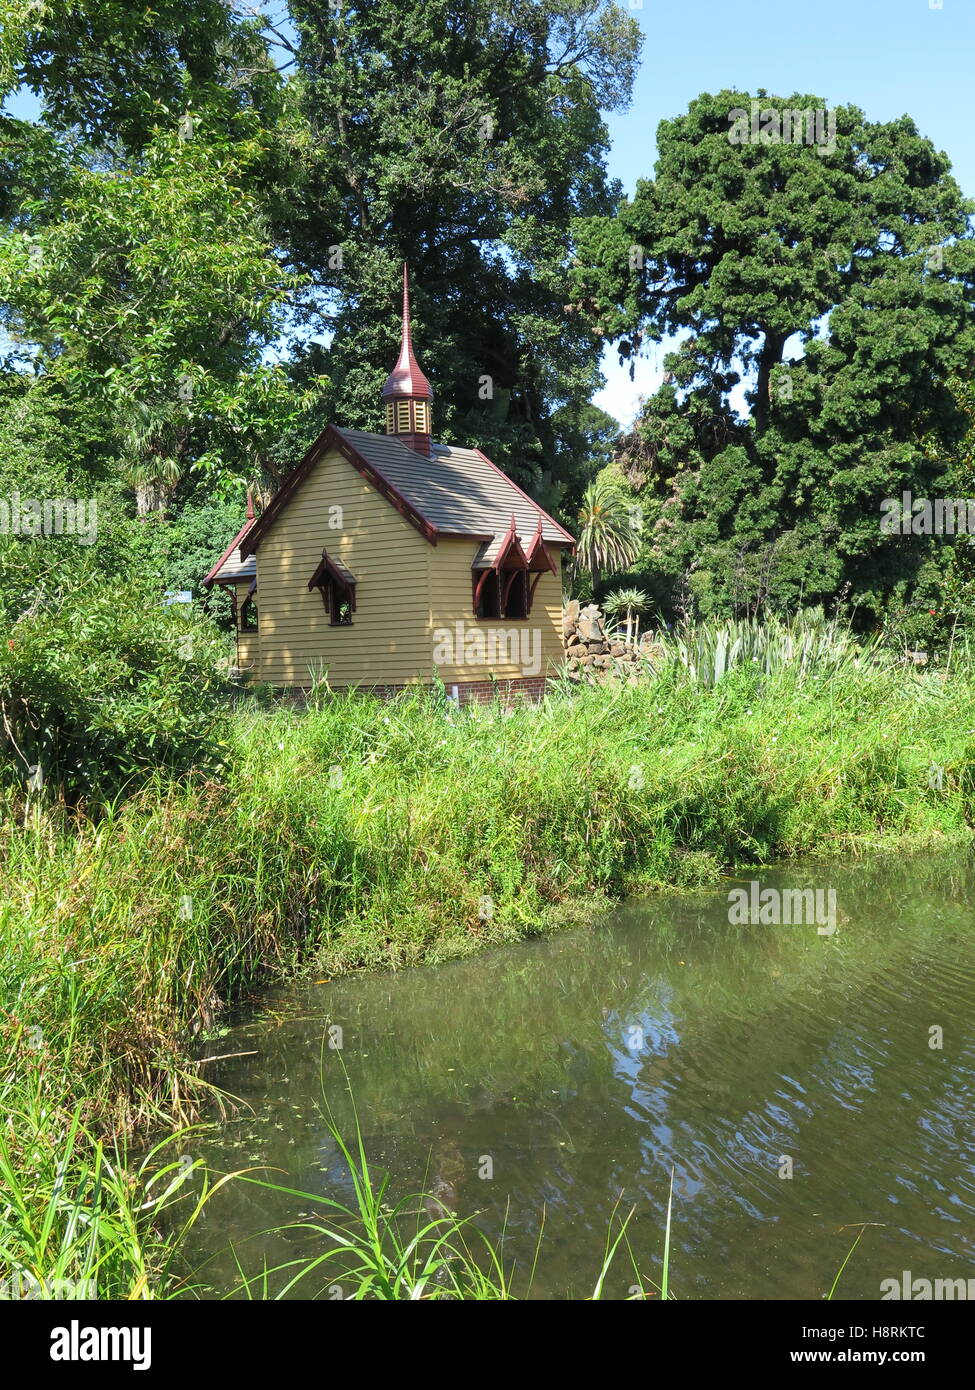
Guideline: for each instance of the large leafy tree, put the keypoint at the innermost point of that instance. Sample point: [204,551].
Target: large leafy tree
[828,290]
[112,70]
[463,136]
[954,564]
[155,288]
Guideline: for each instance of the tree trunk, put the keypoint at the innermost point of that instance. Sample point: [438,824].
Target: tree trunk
[771,356]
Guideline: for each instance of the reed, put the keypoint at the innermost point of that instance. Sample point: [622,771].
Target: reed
[410,1250]
[361,833]
[79,1219]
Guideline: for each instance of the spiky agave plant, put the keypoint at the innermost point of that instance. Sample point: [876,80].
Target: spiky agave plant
[806,642]
[626,603]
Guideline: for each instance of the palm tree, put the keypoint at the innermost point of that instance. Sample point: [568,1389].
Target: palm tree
[628,601]
[154,448]
[608,539]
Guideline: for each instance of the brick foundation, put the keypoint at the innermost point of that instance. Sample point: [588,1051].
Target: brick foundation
[526,689]
[523,690]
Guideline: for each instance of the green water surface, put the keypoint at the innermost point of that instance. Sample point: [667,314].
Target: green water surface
[555,1075]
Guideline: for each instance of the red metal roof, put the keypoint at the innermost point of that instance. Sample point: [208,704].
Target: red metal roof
[406,381]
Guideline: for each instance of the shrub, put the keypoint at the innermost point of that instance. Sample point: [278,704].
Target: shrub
[100,682]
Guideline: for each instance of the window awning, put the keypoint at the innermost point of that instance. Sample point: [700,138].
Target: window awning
[540,558]
[331,570]
[505,556]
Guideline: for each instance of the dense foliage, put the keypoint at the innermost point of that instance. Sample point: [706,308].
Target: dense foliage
[203,238]
[822,297]
[101,680]
[204,196]
[99,686]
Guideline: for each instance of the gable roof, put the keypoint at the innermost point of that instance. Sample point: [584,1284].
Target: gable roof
[232,565]
[454,492]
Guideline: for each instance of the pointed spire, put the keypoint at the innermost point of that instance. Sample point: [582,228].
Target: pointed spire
[406,381]
[250,505]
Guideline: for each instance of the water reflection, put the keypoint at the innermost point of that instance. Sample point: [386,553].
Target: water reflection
[596,1061]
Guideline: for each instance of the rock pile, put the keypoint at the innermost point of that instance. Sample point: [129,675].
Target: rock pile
[593,655]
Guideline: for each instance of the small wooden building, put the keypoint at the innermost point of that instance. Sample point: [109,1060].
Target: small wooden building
[389,559]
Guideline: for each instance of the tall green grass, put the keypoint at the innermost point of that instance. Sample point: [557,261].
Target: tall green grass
[79,1219]
[362,833]
[406,1251]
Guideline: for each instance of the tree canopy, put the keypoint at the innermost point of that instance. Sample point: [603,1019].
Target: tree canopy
[202,240]
[464,138]
[208,222]
[822,297]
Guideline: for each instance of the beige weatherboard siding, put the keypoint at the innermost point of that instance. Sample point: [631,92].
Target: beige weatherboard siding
[407,592]
[248,652]
[451,602]
[388,641]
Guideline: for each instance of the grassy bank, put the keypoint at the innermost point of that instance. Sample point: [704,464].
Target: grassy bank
[362,833]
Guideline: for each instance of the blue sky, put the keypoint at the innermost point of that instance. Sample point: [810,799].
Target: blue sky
[889,57]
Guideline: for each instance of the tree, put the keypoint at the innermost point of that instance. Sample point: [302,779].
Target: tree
[113,71]
[832,284]
[462,136]
[947,606]
[155,288]
[607,537]
[590,437]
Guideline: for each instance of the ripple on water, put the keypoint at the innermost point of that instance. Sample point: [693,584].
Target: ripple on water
[785,1078]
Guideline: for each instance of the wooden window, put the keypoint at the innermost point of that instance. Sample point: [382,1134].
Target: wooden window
[402,417]
[421,412]
[507,588]
[339,605]
[514,593]
[337,588]
[390,418]
[504,594]
[489,597]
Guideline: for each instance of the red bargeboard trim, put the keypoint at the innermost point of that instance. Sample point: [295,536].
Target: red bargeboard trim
[522,493]
[330,438]
[210,579]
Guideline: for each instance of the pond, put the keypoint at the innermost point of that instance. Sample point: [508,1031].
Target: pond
[796,1081]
